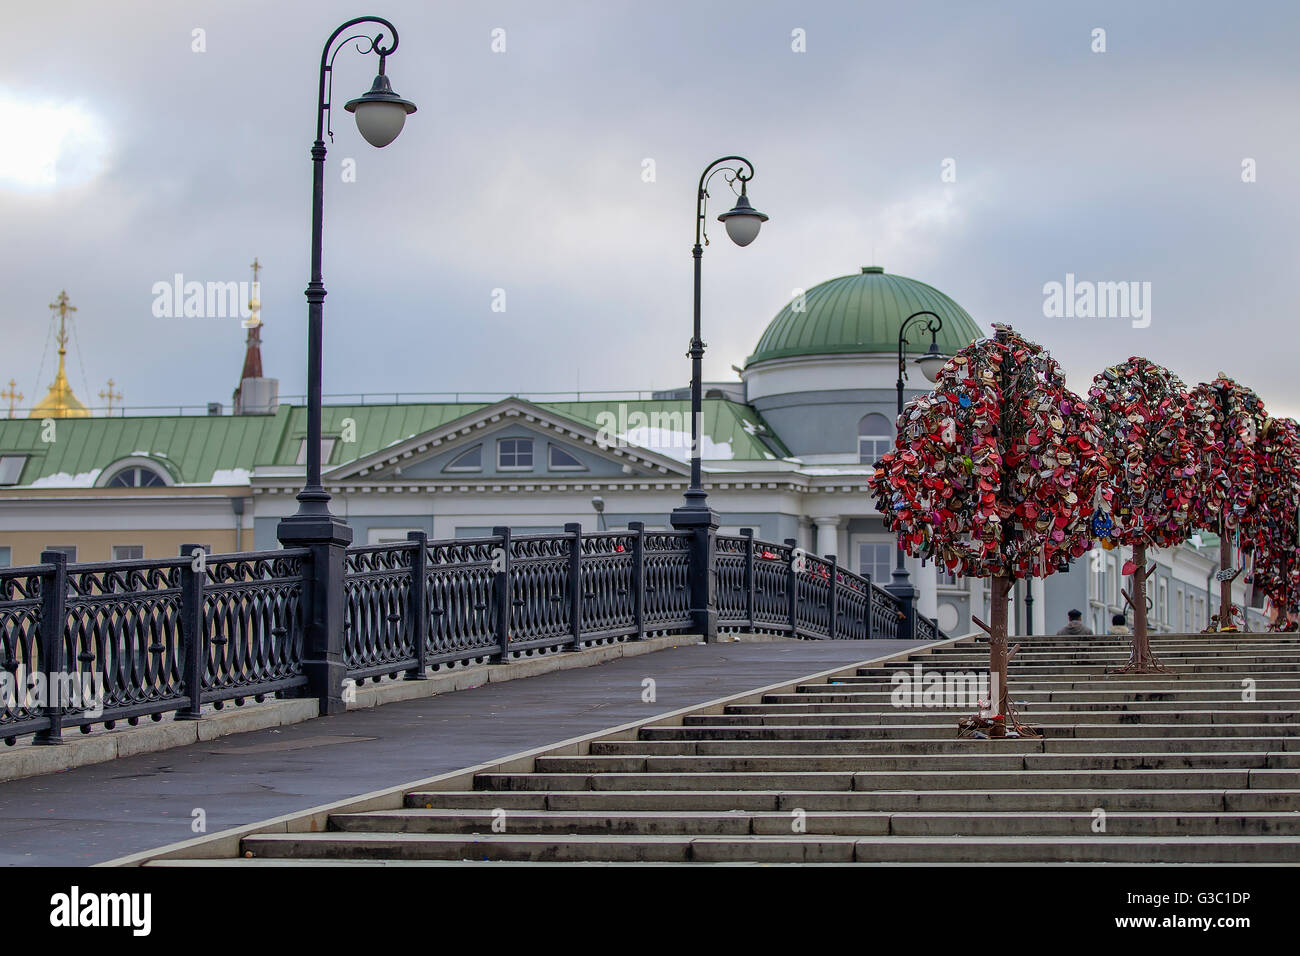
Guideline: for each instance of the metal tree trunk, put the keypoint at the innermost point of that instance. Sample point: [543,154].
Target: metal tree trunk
[998,652]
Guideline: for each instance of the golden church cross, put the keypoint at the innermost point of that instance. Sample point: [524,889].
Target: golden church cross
[61,305]
[111,396]
[12,395]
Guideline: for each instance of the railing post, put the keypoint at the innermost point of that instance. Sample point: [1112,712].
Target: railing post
[418,606]
[638,576]
[702,526]
[194,636]
[501,594]
[748,534]
[906,596]
[867,608]
[54,617]
[575,583]
[325,607]
[792,588]
[833,599]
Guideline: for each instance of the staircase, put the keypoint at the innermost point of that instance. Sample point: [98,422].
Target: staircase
[1180,768]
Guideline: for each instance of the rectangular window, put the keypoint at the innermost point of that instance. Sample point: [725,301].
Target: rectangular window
[515,454]
[326,449]
[871,449]
[128,552]
[6,557]
[11,468]
[876,559]
[69,549]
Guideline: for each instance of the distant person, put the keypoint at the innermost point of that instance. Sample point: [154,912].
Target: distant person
[1076,625]
[1119,626]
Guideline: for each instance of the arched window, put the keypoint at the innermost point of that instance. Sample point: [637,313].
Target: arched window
[136,478]
[136,471]
[875,437]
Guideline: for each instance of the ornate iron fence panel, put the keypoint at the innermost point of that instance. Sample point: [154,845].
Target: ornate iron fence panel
[122,638]
[254,613]
[851,595]
[772,585]
[379,635]
[667,576]
[886,614]
[539,591]
[20,649]
[608,589]
[731,555]
[459,596]
[812,585]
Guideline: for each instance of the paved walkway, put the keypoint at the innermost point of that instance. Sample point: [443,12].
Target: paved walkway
[99,812]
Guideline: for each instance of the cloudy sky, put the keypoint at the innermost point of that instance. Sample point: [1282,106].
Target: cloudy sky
[126,157]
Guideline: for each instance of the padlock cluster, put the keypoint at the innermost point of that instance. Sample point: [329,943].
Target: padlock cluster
[997,470]
[1155,444]
[1270,528]
[1233,416]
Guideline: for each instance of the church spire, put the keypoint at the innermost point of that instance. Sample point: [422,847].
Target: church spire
[61,402]
[256,394]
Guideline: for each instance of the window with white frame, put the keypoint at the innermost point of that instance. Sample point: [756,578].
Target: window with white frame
[875,437]
[69,549]
[6,557]
[876,558]
[515,454]
[560,459]
[128,552]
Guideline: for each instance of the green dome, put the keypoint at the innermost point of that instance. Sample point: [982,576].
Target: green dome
[862,313]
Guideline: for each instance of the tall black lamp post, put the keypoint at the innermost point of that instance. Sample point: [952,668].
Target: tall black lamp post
[695,516]
[930,364]
[380,115]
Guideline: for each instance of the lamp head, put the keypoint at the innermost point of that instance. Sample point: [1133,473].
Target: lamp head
[380,113]
[742,220]
[932,363]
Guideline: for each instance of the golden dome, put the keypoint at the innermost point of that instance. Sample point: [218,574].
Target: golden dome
[60,402]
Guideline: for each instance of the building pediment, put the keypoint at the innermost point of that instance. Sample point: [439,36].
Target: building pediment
[431,455]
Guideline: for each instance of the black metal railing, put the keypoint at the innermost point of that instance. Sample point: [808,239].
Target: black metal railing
[124,640]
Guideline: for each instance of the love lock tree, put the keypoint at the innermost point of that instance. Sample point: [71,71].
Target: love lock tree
[1150,439]
[994,474]
[1233,416]
[1271,526]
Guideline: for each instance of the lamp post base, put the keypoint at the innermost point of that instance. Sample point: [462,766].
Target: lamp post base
[701,523]
[324,611]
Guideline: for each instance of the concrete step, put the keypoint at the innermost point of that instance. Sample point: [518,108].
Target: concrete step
[957,763]
[945,745]
[859,801]
[750,729]
[841,823]
[1020,779]
[806,848]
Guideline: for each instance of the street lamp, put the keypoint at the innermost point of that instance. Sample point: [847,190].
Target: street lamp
[598,503]
[380,115]
[743,222]
[930,364]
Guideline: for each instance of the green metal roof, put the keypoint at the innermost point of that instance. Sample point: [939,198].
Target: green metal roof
[862,313]
[196,448]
